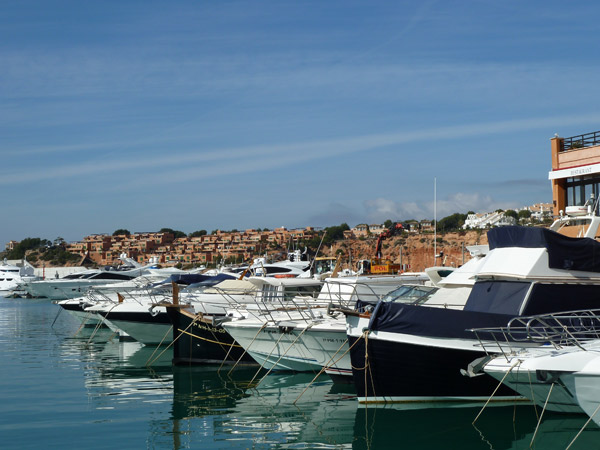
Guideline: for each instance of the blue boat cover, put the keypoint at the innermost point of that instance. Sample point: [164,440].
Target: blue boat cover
[432,322]
[563,252]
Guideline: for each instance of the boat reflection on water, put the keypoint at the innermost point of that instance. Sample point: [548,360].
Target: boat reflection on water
[102,346]
[133,386]
[281,409]
[498,428]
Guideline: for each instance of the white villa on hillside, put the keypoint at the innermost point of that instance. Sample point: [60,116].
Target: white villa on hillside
[488,220]
[539,211]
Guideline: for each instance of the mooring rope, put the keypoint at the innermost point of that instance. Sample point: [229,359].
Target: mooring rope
[537,416]
[541,415]
[583,427]
[149,363]
[267,358]
[158,346]
[246,348]
[325,367]
[82,324]
[101,323]
[495,390]
[285,353]
[226,356]
[60,309]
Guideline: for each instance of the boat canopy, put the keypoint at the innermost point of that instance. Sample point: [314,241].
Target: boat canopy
[564,252]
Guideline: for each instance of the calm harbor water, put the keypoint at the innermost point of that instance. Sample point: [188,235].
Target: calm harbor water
[61,387]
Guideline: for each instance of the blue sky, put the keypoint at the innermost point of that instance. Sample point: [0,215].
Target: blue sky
[203,115]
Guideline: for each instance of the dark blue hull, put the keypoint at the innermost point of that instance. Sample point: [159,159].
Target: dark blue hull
[396,372]
[196,340]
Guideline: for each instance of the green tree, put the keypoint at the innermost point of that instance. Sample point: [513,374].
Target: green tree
[176,233]
[121,232]
[511,213]
[197,233]
[18,252]
[335,233]
[58,255]
[524,214]
[451,223]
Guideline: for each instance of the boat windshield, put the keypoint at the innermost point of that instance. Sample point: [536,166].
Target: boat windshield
[410,294]
[290,292]
[74,276]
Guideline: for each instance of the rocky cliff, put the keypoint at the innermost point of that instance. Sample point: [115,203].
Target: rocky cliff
[414,250]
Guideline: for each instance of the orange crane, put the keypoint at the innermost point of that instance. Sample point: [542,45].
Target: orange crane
[379,265]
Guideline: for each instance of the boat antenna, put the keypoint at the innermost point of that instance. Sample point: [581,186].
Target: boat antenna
[312,264]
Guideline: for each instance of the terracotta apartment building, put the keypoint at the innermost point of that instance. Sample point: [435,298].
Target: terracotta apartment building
[240,246]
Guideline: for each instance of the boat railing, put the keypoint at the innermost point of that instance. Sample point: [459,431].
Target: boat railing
[345,295]
[274,305]
[277,306]
[218,298]
[333,296]
[563,329]
[141,294]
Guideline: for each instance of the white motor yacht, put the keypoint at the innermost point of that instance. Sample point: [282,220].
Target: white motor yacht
[147,321]
[144,316]
[76,284]
[13,277]
[304,336]
[549,359]
[197,326]
[147,285]
[406,353]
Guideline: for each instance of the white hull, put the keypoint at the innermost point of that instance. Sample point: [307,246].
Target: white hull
[59,290]
[86,318]
[585,384]
[295,346]
[587,392]
[149,334]
[525,382]
[273,347]
[552,378]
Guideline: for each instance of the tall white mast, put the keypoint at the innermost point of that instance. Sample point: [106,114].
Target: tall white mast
[434,221]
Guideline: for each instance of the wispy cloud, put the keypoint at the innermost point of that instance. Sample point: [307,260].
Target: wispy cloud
[252,159]
[381,209]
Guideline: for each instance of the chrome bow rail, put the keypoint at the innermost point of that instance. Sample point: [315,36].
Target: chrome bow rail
[562,329]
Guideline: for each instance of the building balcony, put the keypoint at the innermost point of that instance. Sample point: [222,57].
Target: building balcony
[576,151]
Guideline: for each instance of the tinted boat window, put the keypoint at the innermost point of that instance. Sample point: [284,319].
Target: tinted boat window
[409,294]
[547,298]
[498,297]
[112,276]
[277,269]
[292,291]
[73,276]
